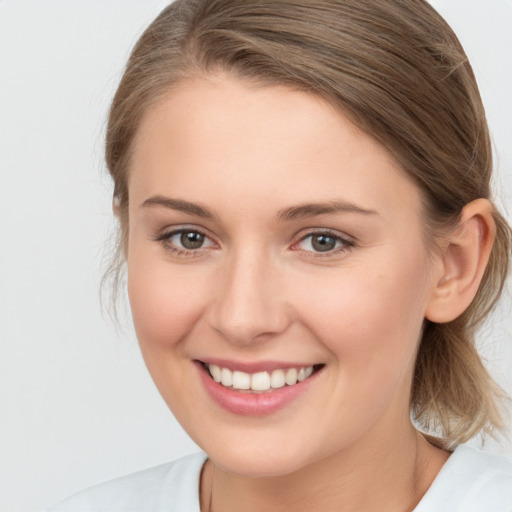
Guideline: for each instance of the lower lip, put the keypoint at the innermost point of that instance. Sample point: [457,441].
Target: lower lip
[253,404]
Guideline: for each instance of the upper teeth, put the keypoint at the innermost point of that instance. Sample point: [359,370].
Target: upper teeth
[261,381]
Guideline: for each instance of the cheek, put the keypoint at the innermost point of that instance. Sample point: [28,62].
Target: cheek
[165,300]
[166,305]
[370,321]
[368,317]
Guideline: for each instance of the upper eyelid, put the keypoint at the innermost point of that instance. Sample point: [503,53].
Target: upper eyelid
[346,243]
[169,231]
[324,231]
[164,238]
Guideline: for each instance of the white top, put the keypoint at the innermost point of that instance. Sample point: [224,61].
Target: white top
[470,481]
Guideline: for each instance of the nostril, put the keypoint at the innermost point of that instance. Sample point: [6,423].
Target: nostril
[263,336]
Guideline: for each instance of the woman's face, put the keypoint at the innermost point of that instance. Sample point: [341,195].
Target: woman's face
[267,234]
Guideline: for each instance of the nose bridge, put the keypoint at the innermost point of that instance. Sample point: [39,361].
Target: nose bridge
[249,305]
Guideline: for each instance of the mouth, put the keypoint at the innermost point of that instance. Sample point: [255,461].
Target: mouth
[256,389]
[258,382]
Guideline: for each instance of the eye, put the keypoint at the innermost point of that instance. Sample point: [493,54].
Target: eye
[323,242]
[183,241]
[190,239]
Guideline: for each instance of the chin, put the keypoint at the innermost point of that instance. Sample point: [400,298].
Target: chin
[257,461]
[250,467]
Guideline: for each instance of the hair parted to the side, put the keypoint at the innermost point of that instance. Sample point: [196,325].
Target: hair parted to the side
[399,72]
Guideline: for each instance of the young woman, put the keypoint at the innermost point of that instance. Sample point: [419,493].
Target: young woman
[303,191]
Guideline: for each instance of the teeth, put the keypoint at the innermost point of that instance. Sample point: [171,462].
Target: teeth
[226,377]
[277,379]
[241,380]
[216,373]
[291,377]
[261,381]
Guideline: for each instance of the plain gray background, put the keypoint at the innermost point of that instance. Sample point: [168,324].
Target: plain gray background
[76,403]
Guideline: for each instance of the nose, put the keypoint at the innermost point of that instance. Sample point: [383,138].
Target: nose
[249,305]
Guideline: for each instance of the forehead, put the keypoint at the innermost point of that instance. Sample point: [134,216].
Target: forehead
[218,139]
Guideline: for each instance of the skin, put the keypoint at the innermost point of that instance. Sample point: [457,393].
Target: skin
[257,290]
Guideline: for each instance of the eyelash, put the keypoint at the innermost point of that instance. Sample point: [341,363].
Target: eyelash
[165,240]
[345,244]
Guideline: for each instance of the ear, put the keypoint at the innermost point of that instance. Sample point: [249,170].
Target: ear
[463,260]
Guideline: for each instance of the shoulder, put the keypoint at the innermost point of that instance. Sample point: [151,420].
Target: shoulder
[170,487]
[471,481]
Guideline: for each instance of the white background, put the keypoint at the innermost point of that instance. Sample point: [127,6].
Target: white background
[76,403]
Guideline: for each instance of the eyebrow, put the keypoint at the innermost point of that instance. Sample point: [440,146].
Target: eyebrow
[178,205]
[307,210]
[300,211]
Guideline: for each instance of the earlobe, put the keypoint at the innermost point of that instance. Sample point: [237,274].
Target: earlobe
[116,208]
[463,262]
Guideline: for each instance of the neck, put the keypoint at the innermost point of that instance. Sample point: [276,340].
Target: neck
[374,475]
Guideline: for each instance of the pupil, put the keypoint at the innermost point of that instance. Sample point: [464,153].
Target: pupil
[323,243]
[191,239]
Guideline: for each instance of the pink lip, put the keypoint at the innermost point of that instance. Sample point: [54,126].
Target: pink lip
[252,404]
[254,366]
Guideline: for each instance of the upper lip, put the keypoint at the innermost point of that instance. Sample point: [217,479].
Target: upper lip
[254,366]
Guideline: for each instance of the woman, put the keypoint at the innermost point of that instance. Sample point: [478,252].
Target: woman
[306,217]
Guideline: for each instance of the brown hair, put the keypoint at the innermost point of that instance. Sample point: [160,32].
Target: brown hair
[399,72]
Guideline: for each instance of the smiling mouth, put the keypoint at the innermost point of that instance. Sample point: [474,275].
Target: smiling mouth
[260,382]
